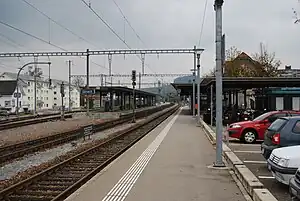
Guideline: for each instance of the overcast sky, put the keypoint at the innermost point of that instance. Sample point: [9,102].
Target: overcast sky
[159,24]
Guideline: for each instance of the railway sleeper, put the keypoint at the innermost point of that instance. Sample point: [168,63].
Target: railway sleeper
[68,175]
[55,183]
[97,158]
[58,179]
[84,164]
[81,168]
[88,162]
[29,198]
[37,192]
[76,172]
[49,187]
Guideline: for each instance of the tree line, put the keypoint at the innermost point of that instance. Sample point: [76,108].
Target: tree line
[259,64]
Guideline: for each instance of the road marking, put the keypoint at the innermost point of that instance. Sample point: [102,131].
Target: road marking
[120,191]
[249,151]
[258,162]
[266,177]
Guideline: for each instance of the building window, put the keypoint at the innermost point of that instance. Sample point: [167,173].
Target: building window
[55,98]
[46,98]
[28,90]
[55,92]
[7,103]
[55,104]
[46,105]
[28,83]
[28,98]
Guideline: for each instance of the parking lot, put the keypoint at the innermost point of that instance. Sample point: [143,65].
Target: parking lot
[250,154]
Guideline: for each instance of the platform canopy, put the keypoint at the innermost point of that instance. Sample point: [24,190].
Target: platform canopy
[239,83]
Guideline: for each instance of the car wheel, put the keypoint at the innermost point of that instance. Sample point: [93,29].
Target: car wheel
[249,136]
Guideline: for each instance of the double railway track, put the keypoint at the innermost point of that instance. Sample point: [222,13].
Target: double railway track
[20,149]
[59,181]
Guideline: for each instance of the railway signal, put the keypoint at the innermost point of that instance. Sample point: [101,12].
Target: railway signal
[133,78]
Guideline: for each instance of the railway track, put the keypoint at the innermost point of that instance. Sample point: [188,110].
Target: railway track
[17,123]
[59,181]
[21,149]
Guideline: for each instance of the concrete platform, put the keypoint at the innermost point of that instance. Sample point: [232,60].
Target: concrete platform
[170,163]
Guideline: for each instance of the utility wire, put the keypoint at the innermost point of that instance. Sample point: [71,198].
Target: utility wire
[12,41]
[42,40]
[203,20]
[33,36]
[57,23]
[137,35]
[62,26]
[110,28]
[106,24]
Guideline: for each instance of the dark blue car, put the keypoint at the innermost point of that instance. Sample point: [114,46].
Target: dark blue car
[283,132]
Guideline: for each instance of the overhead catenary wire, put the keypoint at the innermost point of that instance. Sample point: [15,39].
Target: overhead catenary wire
[12,41]
[40,39]
[58,23]
[202,24]
[111,29]
[31,35]
[126,19]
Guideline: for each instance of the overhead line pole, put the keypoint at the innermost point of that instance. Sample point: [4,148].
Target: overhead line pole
[219,87]
[69,64]
[87,81]
[194,93]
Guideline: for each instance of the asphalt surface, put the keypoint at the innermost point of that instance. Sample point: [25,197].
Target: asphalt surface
[251,155]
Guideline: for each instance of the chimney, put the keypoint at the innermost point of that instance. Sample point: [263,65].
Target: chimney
[288,67]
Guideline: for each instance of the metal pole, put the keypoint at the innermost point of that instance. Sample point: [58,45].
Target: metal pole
[211,105]
[35,90]
[87,81]
[69,85]
[109,68]
[62,94]
[133,102]
[194,99]
[140,80]
[219,87]
[198,87]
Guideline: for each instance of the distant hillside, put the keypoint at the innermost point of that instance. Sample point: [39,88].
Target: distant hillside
[166,90]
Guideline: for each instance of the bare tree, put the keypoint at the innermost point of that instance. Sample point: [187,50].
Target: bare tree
[268,62]
[232,53]
[78,82]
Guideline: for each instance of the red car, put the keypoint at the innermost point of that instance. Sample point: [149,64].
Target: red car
[250,131]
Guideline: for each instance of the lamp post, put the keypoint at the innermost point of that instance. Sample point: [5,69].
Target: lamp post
[18,75]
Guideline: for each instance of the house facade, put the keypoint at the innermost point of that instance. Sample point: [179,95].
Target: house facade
[8,96]
[48,96]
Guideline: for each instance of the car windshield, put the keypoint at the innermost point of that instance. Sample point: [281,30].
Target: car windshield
[262,117]
[276,125]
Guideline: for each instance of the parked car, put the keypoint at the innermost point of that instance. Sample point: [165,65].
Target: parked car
[250,131]
[284,163]
[283,132]
[294,185]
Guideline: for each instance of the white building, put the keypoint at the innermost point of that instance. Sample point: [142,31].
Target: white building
[47,97]
[8,95]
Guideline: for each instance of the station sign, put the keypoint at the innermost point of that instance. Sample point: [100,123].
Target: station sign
[88,91]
